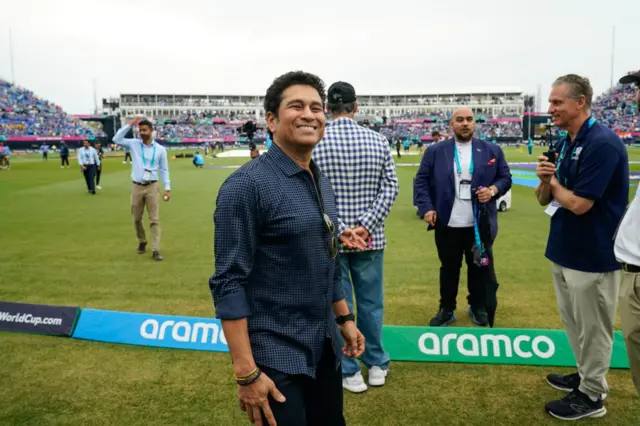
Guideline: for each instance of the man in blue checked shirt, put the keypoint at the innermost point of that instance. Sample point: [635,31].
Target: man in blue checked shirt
[359,165]
[89,162]
[277,286]
[149,160]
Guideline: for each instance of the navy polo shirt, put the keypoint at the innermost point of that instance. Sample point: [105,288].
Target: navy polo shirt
[594,166]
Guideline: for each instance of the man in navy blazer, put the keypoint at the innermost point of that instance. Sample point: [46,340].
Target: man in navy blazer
[456,177]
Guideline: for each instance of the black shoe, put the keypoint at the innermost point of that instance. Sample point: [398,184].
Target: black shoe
[443,317]
[157,255]
[567,383]
[574,406]
[479,316]
[142,248]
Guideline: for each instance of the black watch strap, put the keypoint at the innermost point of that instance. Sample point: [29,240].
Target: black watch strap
[344,318]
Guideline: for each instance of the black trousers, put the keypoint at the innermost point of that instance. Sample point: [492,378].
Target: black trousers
[64,159]
[98,173]
[452,244]
[127,155]
[45,156]
[310,402]
[89,177]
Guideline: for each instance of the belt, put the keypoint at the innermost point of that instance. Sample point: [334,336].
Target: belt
[144,184]
[630,268]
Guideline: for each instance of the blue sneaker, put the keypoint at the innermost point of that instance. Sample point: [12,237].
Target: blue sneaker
[444,317]
[479,316]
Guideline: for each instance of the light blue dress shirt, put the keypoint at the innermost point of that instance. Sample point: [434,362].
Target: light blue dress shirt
[155,158]
[88,156]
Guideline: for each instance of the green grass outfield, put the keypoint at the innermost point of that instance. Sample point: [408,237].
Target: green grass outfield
[59,245]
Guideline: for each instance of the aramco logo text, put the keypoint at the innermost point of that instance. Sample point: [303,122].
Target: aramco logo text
[487,345]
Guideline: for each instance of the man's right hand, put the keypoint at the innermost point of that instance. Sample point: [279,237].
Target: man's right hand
[83,168]
[138,118]
[545,170]
[430,217]
[254,400]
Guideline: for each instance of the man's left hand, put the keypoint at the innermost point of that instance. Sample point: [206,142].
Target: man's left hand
[352,240]
[353,340]
[484,194]
[167,195]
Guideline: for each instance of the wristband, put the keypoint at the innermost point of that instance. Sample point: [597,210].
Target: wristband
[250,378]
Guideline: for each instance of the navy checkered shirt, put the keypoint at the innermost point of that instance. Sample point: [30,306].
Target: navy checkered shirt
[273,261]
[359,165]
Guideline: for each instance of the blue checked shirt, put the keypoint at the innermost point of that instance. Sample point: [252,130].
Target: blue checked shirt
[273,263]
[359,165]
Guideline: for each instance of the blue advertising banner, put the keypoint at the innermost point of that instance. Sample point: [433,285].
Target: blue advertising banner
[166,331]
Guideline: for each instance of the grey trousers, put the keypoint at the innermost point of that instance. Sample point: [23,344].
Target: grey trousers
[587,303]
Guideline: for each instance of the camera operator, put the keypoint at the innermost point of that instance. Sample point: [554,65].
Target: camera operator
[586,192]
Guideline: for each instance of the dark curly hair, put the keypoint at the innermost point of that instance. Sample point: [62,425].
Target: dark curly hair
[274,93]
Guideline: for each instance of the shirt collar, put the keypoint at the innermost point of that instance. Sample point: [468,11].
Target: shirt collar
[341,121]
[586,126]
[286,164]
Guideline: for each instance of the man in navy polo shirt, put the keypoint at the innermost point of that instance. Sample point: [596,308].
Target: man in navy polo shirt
[586,192]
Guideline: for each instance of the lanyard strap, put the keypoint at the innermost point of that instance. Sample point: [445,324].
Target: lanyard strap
[563,153]
[476,229]
[457,158]
[153,155]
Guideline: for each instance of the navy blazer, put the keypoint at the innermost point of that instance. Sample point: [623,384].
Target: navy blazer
[435,182]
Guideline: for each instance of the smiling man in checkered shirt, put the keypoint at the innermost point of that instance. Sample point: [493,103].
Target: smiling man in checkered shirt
[359,165]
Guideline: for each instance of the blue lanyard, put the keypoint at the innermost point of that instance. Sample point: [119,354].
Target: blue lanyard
[153,155]
[457,158]
[563,153]
[476,229]
[86,155]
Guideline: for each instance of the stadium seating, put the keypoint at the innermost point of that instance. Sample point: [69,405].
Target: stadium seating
[24,114]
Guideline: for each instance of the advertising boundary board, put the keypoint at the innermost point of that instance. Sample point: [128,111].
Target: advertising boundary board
[39,319]
[509,346]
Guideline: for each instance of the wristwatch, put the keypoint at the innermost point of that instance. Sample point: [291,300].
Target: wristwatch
[344,318]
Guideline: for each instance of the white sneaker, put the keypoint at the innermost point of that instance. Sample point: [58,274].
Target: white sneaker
[62,167]
[377,376]
[124,162]
[98,187]
[354,383]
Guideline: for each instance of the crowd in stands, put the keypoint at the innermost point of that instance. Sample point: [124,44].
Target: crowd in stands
[618,110]
[22,113]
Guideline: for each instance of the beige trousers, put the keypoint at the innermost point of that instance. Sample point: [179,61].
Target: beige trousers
[630,316]
[148,196]
[587,303]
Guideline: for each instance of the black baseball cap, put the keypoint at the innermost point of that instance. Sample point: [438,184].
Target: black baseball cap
[631,78]
[341,92]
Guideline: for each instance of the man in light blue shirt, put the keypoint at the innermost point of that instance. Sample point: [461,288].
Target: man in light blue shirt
[89,161]
[44,148]
[149,159]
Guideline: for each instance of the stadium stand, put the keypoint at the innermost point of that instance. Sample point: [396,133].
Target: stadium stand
[23,114]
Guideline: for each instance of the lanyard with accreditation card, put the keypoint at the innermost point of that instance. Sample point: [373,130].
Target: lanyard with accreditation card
[146,175]
[465,185]
[555,205]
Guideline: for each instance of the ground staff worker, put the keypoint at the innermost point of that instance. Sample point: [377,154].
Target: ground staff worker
[586,193]
[627,251]
[149,159]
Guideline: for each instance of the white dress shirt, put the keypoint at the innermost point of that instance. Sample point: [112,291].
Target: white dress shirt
[627,245]
[462,212]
